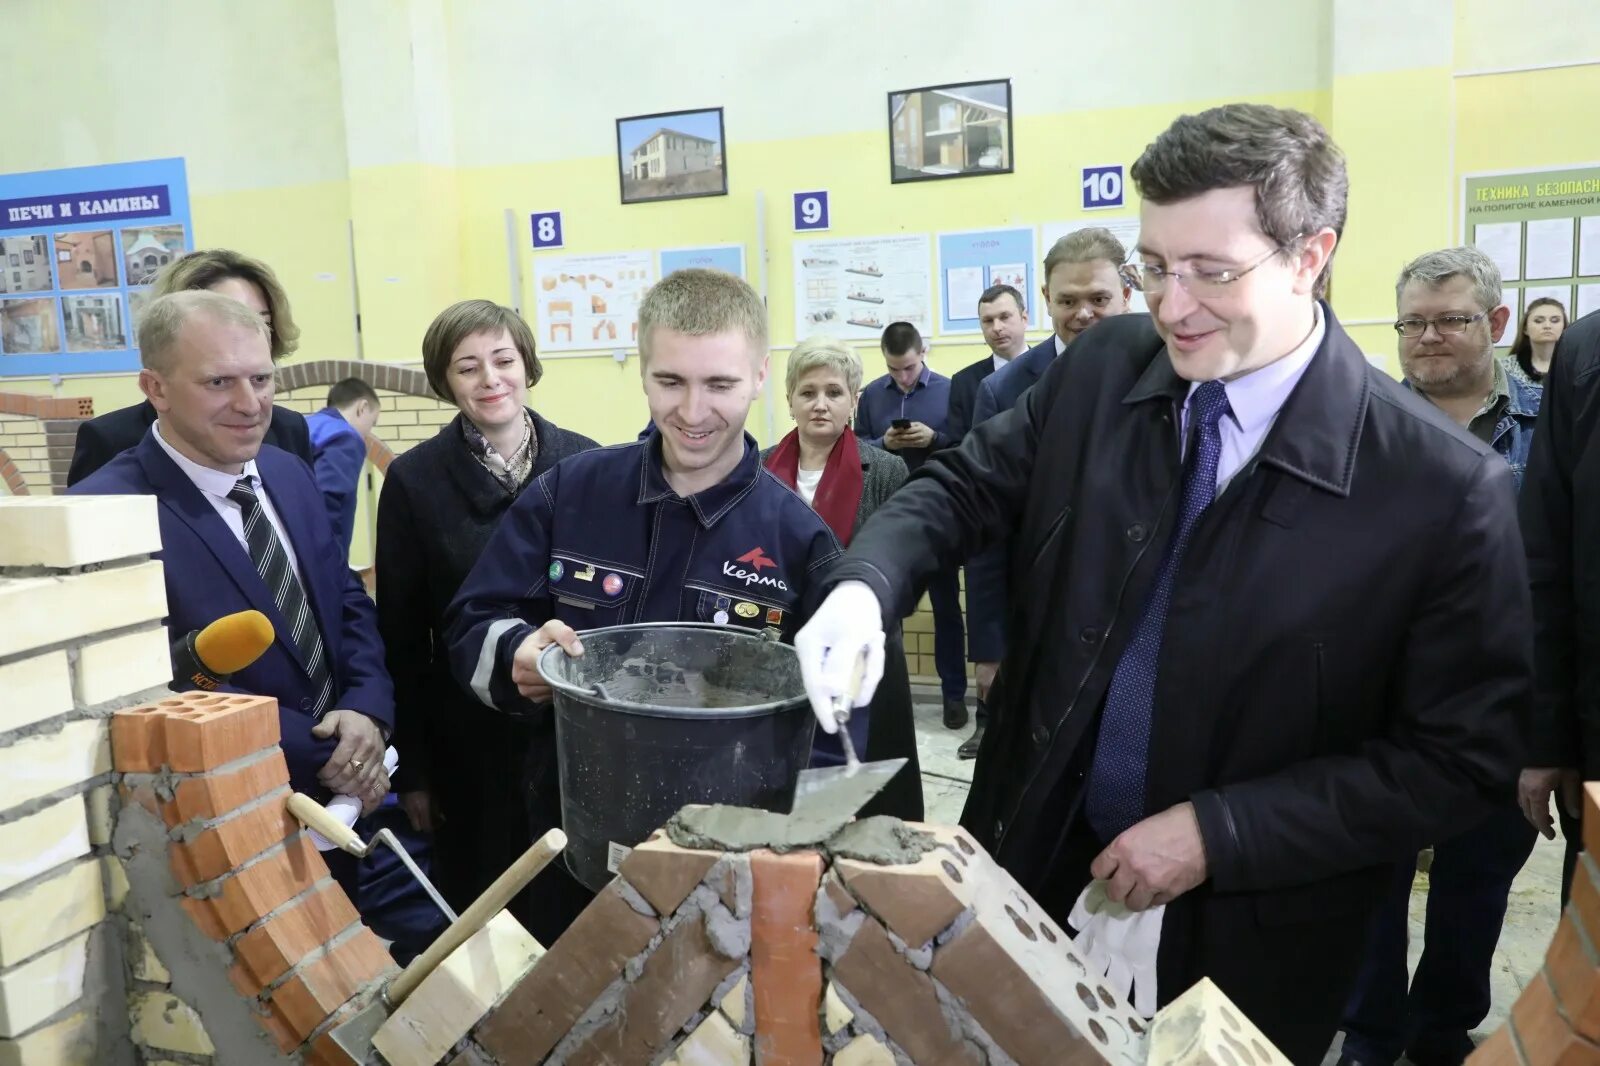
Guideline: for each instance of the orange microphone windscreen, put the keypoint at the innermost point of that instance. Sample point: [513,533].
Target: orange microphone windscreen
[233,641]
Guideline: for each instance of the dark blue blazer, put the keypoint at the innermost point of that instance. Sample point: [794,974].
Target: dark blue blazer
[1001,390]
[209,574]
[986,570]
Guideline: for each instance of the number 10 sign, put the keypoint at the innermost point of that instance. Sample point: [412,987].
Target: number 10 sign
[1102,187]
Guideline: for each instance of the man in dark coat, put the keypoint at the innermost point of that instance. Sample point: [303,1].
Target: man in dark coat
[1270,620]
[1561,520]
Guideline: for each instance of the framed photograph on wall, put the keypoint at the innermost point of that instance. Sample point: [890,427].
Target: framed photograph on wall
[676,155]
[951,131]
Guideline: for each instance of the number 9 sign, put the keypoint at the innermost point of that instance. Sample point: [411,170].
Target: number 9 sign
[811,210]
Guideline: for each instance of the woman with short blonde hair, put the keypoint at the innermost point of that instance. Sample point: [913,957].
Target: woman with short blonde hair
[845,479]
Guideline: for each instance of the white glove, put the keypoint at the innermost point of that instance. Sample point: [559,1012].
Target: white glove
[849,622]
[1120,944]
[348,808]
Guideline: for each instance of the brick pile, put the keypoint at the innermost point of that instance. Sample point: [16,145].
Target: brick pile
[1557,1017]
[235,897]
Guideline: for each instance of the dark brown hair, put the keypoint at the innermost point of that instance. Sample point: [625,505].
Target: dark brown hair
[1298,173]
[461,320]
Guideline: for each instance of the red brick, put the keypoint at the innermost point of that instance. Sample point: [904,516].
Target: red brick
[230,844]
[1546,1037]
[677,980]
[1498,1050]
[664,873]
[1586,895]
[536,1014]
[209,796]
[321,987]
[216,728]
[901,998]
[259,889]
[785,969]
[204,916]
[267,952]
[1574,974]
[138,744]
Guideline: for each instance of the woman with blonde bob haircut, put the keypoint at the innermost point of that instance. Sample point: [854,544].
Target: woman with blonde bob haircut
[463,776]
[845,479]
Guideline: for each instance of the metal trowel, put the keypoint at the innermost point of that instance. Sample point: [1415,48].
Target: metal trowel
[837,793]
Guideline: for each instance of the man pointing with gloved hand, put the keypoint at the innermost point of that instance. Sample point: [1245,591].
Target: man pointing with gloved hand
[1269,615]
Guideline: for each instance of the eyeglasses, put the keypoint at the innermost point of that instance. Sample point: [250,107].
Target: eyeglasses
[1153,278]
[1444,325]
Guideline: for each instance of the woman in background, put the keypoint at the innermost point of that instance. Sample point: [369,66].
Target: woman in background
[238,277]
[1542,325]
[463,764]
[845,480]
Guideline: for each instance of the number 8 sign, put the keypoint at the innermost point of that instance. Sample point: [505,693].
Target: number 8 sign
[1102,187]
[546,229]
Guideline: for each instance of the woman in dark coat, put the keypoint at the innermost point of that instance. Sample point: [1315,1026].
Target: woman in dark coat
[845,480]
[462,764]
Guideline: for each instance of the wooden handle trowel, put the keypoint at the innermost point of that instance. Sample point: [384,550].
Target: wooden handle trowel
[836,793]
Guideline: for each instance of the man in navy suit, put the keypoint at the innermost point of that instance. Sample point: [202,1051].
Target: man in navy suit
[339,441]
[234,514]
[1083,283]
[1003,317]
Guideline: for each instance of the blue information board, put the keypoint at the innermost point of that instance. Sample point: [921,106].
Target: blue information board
[78,249]
[728,258]
[971,261]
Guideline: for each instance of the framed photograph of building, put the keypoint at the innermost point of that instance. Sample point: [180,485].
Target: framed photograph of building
[147,249]
[25,264]
[87,260]
[951,131]
[676,155]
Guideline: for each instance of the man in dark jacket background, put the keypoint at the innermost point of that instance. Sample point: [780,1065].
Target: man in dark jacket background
[1561,523]
[1270,626]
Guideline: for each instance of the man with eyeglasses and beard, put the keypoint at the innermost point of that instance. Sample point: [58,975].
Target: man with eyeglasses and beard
[1270,616]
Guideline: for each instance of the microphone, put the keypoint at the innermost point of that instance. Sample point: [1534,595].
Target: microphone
[207,658]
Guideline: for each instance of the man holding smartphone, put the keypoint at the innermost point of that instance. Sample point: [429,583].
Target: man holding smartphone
[905,411]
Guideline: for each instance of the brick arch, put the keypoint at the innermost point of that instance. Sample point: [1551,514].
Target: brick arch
[404,380]
[12,476]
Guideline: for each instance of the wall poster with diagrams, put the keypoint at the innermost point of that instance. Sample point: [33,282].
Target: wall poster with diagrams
[1542,228]
[585,302]
[78,250]
[852,287]
[972,260]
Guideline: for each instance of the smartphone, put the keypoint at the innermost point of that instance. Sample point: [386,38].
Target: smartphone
[900,423]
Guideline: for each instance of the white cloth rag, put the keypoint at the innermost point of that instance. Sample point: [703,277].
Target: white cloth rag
[348,808]
[1119,944]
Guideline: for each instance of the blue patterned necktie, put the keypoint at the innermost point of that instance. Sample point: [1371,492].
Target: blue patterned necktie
[1116,794]
[272,563]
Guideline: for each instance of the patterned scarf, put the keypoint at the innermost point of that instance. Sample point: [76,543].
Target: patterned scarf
[512,473]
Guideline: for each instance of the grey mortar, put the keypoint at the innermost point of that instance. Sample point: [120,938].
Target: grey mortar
[198,964]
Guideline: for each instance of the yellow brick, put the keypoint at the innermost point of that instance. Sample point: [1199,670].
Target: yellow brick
[35,612]
[162,1020]
[64,531]
[414,432]
[42,986]
[97,807]
[134,662]
[452,999]
[714,1043]
[69,1042]
[42,841]
[35,689]
[116,882]
[50,911]
[397,418]
[37,766]
[413,403]
[147,966]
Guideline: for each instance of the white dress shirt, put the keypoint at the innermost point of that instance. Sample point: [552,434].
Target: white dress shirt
[1254,401]
[215,485]
[806,482]
[999,360]
[1061,345]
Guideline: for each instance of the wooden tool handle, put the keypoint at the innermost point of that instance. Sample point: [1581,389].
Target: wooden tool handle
[475,917]
[315,816]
